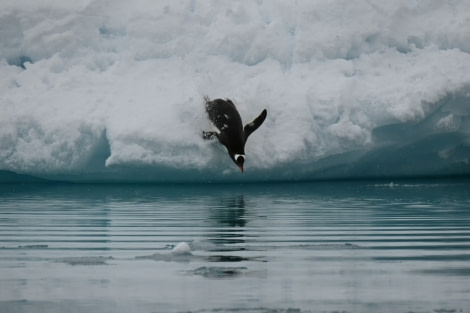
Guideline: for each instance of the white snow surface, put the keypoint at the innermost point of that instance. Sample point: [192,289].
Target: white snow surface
[112,90]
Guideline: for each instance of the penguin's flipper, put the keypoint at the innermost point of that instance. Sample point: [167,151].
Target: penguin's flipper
[209,135]
[253,125]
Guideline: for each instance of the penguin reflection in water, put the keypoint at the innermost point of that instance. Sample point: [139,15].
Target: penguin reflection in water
[230,131]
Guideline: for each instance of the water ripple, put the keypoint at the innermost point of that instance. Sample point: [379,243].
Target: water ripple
[315,247]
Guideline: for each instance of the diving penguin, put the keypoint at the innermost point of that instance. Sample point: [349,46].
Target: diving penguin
[231,133]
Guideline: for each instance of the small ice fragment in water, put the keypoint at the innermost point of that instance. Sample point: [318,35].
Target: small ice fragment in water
[181,249]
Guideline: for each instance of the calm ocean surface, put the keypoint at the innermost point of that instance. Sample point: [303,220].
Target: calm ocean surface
[366,246]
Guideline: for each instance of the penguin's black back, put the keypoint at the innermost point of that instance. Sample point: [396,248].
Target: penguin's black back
[226,118]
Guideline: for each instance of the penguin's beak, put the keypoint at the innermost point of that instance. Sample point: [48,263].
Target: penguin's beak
[240,166]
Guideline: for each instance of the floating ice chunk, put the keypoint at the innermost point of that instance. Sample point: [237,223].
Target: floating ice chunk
[181,249]
[181,252]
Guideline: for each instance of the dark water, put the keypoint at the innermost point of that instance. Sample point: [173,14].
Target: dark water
[307,247]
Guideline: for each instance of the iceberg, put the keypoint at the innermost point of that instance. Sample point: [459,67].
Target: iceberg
[112,91]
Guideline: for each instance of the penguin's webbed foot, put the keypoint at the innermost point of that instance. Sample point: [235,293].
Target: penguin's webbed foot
[209,135]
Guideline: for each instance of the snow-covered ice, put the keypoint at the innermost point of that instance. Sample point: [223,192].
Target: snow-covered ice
[113,90]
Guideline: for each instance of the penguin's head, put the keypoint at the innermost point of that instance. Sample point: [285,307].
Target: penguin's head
[239,159]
